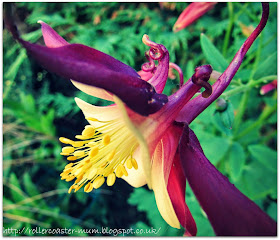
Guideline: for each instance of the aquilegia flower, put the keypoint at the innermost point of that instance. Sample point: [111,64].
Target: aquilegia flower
[144,137]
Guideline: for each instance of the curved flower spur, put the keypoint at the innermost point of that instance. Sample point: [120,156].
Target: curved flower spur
[124,142]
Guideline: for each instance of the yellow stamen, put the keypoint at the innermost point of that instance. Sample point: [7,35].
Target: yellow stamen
[72,158]
[123,169]
[78,179]
[87,186]
[81,137]
[91,144]
[104,164]
[77,188]
[66,171]
[70,189]
[94,151]
[103,152]
[64,154]
[89,131]
[68,165]
[70,178]
[91,173]
[129,163]
[79,153]
[111,155]
[68,150]
[111,179]
[97,183]
[90,187]
[92,119]
[134,163]
[119,172]
[106,139]
[78,143]
[65,140]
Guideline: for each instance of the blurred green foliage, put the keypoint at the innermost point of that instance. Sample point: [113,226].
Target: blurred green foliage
[39,107]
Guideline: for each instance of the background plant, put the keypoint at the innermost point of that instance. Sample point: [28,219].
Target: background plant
[238,133]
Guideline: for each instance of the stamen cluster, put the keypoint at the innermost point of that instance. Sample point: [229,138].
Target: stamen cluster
[101,152]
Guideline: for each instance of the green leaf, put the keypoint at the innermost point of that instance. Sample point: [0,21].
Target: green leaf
[29,186]
[267,67]
[212,54]
[236,160]
[257,182]
[264,155]
[16,192]
[204,227]
[214,147]
[28,103]
[149,206]
[13,70]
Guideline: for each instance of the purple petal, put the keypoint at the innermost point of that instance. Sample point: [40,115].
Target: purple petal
[94,68]
[230,212]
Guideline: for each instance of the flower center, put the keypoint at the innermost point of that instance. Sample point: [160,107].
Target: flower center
[101,152]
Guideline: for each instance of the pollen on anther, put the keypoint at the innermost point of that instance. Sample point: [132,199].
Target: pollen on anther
[89,187]
[68,165]
[71,158]
[78,143]
[120,171]
[79,153]
[123,170]
[111,179]
[70,178]
[134,163]
[129,163]
[68,150]
[65,140]
[94,151]
[82,137]
[106,139]
[97,183]
[89,131]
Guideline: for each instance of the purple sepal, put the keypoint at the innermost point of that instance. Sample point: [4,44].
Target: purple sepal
[229,211]
[94,68]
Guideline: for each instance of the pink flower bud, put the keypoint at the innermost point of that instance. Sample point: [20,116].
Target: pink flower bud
[194,11]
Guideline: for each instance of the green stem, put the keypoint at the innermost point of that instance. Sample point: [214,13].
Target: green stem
[241,110]
[231,21]
[268,110]
[257,60]
[248,13]
[249,85]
